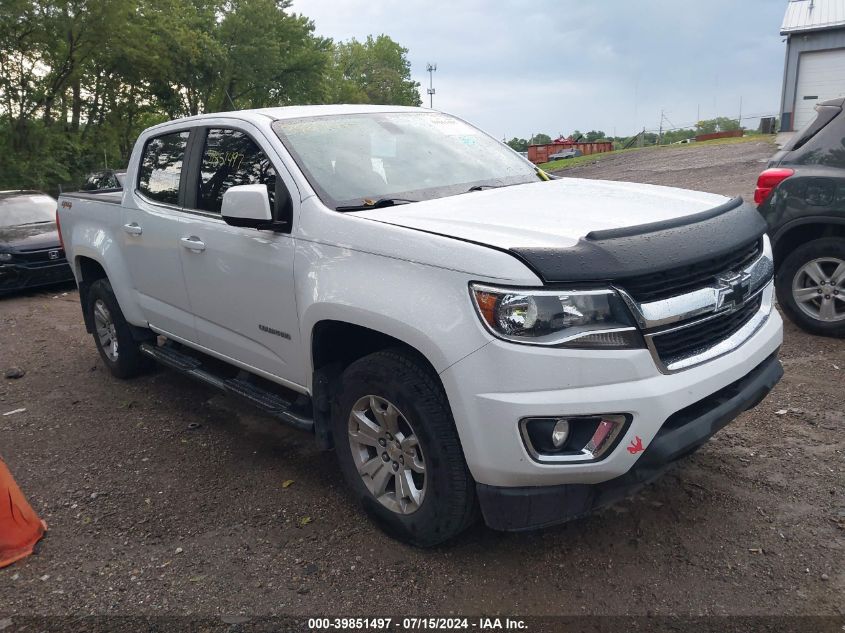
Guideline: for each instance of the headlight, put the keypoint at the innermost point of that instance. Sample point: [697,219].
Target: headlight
[566,318]
[5,257]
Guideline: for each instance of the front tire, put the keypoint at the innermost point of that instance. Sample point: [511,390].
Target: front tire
[811,286]
[399,451]
[112,334]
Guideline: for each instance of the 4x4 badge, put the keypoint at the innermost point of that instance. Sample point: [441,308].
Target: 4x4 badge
[733,290]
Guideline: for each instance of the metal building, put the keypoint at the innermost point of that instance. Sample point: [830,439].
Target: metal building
[815,58]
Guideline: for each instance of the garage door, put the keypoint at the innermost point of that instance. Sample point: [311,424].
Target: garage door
[821,76]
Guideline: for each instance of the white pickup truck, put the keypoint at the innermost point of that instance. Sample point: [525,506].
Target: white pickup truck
[463,330]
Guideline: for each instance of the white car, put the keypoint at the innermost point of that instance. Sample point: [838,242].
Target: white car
[571,152]
[462,330]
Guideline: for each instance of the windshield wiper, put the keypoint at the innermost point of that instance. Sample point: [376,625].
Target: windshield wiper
[482,187]
[378,204]
[39,222]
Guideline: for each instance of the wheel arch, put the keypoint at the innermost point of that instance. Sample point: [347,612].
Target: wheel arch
[803,230]
[89,268]
[337,343]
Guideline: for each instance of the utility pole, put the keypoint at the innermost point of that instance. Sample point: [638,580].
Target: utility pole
[431,68]
[660,132]
[739,120]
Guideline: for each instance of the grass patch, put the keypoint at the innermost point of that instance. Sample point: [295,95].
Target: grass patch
[569,163]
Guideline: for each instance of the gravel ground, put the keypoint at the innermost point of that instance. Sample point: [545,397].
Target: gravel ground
[729,169]
[164,497]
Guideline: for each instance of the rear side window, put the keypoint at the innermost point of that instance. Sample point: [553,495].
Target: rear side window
[230,158]
[824,115]
[826,148]
[161,167]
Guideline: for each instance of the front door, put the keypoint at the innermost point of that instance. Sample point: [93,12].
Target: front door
[240,281]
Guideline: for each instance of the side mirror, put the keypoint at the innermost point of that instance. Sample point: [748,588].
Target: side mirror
[247,206]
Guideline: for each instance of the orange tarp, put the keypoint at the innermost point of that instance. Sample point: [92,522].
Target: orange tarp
[20,527]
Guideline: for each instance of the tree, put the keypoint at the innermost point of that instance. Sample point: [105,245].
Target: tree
[518,144]
[374,71]
[594,135]
[269,57]
[719,124]
[540,139]
[234,54]
[673,136]
[79,79]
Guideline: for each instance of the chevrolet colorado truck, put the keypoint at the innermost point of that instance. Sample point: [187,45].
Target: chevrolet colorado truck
[464,331]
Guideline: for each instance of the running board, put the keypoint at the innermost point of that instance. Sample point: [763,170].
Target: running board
[267,401]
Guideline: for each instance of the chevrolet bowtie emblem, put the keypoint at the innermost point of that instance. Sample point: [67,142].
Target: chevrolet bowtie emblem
[733,289]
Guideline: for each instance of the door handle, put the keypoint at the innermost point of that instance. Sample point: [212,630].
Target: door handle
[133,228]
[193,243]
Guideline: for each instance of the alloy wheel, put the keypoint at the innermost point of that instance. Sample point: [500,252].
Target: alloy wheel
[106,331]
[819,289]
[387,454]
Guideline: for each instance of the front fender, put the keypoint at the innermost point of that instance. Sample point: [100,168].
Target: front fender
[425,307]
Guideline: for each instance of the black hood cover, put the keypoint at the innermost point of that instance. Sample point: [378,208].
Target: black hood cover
[648,248]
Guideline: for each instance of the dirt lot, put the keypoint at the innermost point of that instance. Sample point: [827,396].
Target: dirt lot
[729,169]
[165,497]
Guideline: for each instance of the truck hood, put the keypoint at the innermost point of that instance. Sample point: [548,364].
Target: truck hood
[574,230]
[553,214]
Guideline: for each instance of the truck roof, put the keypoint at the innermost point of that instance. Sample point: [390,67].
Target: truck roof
[295,112]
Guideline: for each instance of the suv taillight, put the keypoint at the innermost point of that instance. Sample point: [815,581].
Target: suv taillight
[768,180]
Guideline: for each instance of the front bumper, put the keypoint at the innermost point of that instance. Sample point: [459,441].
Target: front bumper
[493,388]
[524,508]
[14,277]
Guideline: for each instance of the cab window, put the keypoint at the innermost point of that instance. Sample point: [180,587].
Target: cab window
[230,158]
[161,167]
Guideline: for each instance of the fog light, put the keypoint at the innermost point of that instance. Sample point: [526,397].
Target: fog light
[572,438]
[560,433]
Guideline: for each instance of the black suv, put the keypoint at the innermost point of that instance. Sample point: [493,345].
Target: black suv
[802,197]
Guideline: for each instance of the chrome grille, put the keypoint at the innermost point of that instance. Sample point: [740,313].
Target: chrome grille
[684,342]
[710,320]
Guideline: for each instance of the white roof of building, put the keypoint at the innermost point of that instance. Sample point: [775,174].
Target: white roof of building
[813,15]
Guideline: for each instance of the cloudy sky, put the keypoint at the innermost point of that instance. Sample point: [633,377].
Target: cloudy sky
[514,67]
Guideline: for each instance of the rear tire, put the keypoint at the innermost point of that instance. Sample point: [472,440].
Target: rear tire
[112,334]
[811,286]
[399,450]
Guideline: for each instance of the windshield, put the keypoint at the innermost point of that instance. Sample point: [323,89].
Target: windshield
[26,209]
[355,159]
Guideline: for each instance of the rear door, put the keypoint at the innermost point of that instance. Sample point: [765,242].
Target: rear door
[151,230]
[240,280]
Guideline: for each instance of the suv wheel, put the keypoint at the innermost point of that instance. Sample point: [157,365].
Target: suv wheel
[811,286]
[399,450]
[118,348]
